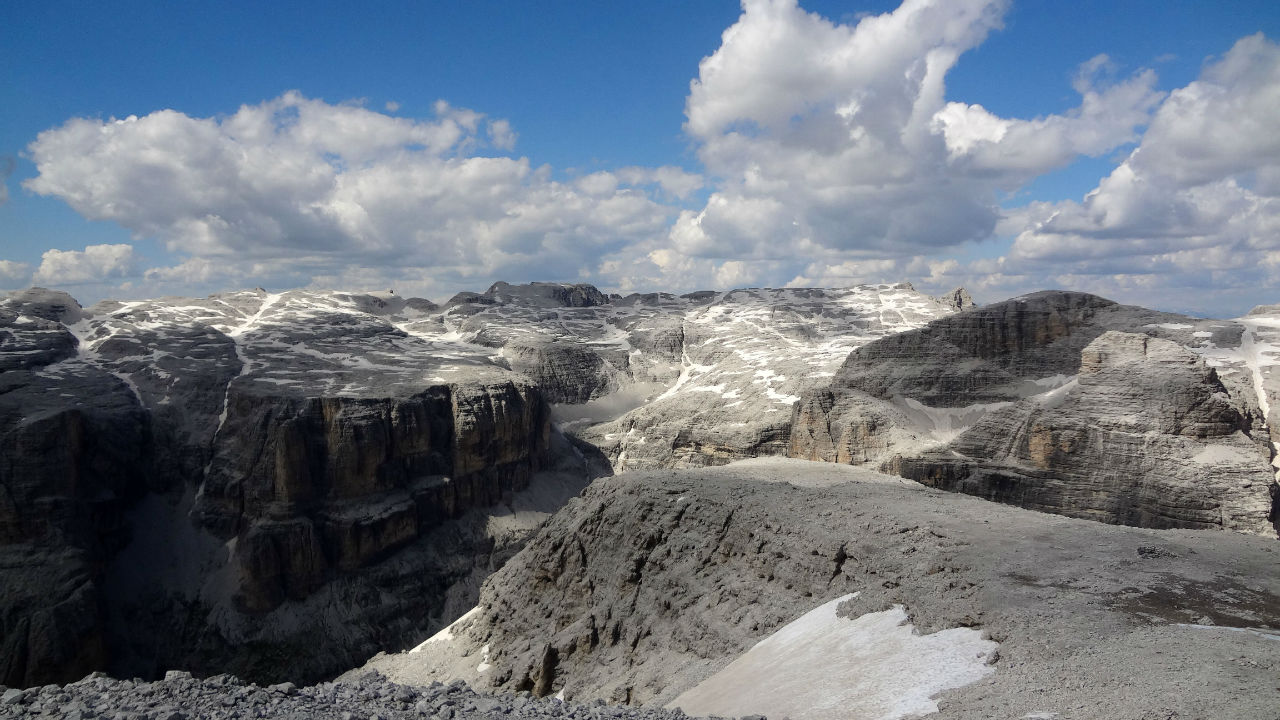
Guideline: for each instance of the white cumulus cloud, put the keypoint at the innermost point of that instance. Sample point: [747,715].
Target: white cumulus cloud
[1197,204]
[830,154]
[834,142]
[301,183]
[14,274]
[94,264]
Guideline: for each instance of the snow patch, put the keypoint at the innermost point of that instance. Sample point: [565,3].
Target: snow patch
[826,667]
[1170,326]
[446,635]
[1266,633]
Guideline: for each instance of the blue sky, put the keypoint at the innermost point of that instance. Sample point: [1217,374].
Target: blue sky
[589,100]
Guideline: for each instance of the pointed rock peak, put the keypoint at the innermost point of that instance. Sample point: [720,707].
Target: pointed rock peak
[959,299]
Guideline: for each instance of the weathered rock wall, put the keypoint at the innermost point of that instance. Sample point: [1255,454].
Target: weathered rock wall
[307,485]
[1149,436]
[191,497]
[74,444]
[564,372]
[1023,402]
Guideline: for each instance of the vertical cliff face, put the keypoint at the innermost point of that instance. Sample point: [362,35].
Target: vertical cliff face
[309,485]
[205,483]
[1060,402]
[1147,436]
[73,448]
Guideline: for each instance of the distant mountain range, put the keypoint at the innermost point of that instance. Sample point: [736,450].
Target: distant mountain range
[280,485]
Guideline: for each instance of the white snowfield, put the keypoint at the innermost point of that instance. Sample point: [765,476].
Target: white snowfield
[825,667]
[446,635]
[747,357]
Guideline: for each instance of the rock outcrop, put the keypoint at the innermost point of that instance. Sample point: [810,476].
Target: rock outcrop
[1150,436]
[1147,435]
[660,380]
[73,449]
[652,581]
[226,697]
[305,484]
[282,484]
[185,475]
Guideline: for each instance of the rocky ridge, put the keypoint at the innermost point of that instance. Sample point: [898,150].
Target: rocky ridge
[743,359]
[660,380]
[1066,403]
[281,484]
[651,582]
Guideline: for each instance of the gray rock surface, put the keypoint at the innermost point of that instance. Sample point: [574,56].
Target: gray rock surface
[1146,435]
[181,697]
[73,445]
[1174,437]
[659,380]
[652,581]
[958,299]
[741,359]
[212,483]
[280,485]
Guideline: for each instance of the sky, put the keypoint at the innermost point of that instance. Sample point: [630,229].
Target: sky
[1128,149]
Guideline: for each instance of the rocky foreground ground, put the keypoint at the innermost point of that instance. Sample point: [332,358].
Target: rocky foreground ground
[650,583]
[180,697]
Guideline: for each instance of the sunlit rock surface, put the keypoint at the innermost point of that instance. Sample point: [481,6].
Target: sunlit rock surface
[1065,403]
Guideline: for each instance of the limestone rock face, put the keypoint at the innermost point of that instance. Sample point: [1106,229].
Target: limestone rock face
[1147,435]
[988,354]
[282,484]
[855,430]
[73,448]
[548,294]
[744,358]
[305,484]
[243,458]
[564,372]
[652,581]
[958,299]
[1063,402]
[660,380]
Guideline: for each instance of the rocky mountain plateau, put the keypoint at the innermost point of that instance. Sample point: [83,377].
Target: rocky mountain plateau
[647,500]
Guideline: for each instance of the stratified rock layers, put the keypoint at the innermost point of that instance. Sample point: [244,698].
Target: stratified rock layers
[192,485]
[308,484]
[1149,437]
[1054,408]
[652,581]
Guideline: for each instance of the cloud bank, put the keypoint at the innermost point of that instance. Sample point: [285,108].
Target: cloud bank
[835,143]
[298,188]
[829,152]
